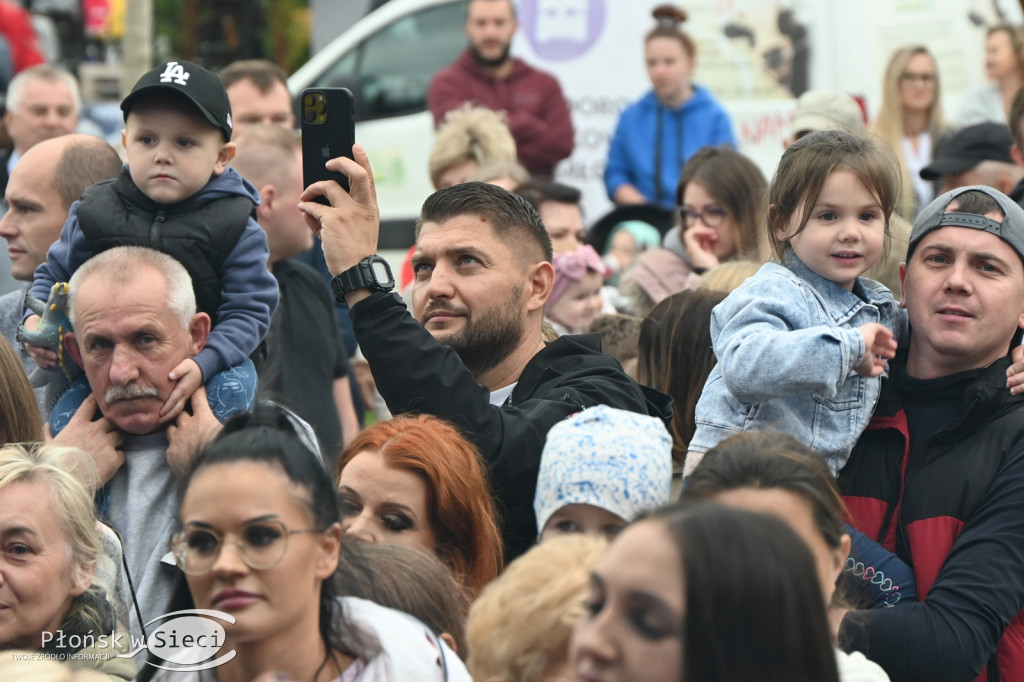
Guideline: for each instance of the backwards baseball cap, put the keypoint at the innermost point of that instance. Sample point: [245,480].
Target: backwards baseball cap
[968,147]
[826,110]
[199,86]
[934,216]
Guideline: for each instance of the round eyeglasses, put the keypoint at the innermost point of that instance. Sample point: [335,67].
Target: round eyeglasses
[260,546]
[712,216]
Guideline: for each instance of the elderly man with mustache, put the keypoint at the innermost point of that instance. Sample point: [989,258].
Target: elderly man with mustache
[134,315]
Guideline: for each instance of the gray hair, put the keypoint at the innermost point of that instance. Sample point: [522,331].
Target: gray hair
[42,72]
[122,264]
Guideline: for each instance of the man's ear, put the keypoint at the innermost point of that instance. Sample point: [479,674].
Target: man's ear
[224,156]
[199,331]
[268,195]
[903,285]
[71,344]
[541,279]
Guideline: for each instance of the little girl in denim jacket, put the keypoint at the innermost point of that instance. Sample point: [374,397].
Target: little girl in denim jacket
[802,345]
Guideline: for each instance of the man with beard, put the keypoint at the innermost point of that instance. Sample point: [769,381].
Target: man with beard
[486,75]
[472,352]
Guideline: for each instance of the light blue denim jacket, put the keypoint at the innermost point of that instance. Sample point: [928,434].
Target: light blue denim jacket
[788,346]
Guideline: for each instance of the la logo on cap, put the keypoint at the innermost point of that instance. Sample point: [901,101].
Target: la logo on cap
[174,73]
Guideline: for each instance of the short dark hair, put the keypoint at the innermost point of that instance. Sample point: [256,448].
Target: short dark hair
[511,5]
[539,191]
[513,218]
[263,73]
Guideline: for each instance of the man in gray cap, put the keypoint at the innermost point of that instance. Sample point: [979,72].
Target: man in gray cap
[938,475]
[975,155]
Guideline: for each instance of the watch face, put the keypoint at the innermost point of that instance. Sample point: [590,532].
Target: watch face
[380,272]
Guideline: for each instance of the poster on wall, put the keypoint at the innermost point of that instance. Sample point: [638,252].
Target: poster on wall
[756,56]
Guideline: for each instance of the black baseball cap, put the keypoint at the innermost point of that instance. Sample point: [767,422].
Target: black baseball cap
[933,216]
[198,85]
[968,147]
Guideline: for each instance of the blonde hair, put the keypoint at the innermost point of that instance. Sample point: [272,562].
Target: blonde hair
[888,124]
[20,421]
[71,501]
[727,276]
[470,134]
[527,614]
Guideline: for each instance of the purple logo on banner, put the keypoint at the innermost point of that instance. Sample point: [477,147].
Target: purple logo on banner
[561,29]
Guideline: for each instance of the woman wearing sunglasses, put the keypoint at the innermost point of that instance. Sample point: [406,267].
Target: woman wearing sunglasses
[259,542]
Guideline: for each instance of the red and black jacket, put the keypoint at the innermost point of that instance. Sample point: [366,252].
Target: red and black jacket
[955,513]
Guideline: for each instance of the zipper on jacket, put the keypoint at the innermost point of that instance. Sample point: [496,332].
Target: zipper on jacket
[154,229]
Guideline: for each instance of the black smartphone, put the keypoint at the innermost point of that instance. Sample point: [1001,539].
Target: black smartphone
[328,131]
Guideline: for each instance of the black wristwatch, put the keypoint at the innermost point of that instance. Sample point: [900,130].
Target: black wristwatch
[372,273]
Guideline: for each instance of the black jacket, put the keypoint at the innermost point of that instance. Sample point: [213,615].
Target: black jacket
[415,373]
[955,512]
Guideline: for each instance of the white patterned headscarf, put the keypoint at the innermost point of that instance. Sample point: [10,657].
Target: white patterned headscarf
[612,459]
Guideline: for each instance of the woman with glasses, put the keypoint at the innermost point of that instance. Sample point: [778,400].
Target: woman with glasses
[1004,66]
[259,541]
[656,135]
[910,120]
[721,199]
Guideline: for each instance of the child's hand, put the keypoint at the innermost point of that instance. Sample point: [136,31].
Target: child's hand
[42,357]
[879,346]
[1015,372]
[700,243]
[187,377]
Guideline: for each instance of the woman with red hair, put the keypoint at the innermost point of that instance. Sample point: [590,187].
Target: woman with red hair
[416,480]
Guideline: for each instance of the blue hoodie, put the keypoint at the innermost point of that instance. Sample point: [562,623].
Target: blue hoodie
[699,122]
[249,293]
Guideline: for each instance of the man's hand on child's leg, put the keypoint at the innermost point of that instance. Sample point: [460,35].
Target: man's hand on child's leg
[187,377]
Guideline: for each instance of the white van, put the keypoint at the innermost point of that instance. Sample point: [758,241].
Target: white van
[752,55]
[387,59]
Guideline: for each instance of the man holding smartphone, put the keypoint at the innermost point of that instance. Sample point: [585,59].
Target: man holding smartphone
[472,350]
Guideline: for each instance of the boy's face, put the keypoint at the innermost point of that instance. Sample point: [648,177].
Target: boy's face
[172,151]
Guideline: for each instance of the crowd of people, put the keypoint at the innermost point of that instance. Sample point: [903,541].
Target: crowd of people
[737,429]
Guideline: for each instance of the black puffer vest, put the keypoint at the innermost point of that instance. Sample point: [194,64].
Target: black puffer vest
[198,232]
